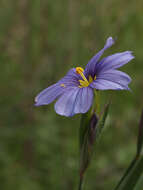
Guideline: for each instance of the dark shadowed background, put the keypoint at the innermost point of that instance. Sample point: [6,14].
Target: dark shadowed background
[39,42]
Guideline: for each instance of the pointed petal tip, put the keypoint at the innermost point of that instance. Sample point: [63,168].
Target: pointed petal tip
[123,88]
[110,41]
[36,99]
[40,104]
[37,104]
[130,53]
[129,56]
[129,89]
[132,56]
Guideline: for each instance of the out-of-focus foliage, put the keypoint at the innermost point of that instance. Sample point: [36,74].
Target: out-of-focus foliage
[133,173]
[39,42]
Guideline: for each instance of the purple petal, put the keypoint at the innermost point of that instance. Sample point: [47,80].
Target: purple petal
[49,94]
[114,61]
[115,76]
[72,72]
[65,104]
[75,100]
[84,100]
[71,78]
[92,63]
[112,79]
[102,84]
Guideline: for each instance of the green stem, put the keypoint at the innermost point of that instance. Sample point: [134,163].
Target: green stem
[80,183]
[97,102]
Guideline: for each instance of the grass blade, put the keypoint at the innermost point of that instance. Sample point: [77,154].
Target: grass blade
[135,169]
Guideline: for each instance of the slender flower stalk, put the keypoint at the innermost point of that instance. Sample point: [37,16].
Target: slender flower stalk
[80,183]
[75,91]
[97,102]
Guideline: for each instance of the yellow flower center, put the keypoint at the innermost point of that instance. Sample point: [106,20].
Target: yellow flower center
[63,85]
[84,82]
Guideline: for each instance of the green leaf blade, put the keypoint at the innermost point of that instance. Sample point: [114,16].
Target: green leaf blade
[140,136]
[133,176]
[135,169]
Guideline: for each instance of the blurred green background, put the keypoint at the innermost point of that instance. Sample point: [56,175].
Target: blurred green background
[39,42]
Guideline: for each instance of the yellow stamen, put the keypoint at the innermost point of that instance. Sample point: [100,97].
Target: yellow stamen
[84,82]
[90,79]
[84,78]
[63,85]
[79,70]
